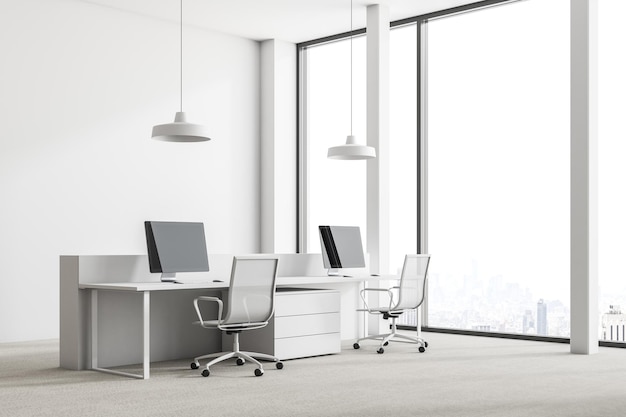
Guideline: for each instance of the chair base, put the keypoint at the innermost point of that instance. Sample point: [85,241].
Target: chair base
[385,338]
[239,355]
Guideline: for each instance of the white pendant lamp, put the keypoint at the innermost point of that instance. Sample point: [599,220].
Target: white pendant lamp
[180,130]
[351,150]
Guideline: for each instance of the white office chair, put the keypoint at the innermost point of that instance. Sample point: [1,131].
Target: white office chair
[250,306]
[409,295]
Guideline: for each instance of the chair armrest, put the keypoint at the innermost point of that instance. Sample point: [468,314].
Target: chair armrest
[220,308]
[388,291]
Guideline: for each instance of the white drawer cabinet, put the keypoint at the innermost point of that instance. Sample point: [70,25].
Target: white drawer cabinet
[306,322]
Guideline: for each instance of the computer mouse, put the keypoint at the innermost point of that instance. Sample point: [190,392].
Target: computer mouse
[217,280]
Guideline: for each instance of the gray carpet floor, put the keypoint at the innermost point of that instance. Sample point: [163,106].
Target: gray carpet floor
[457,376]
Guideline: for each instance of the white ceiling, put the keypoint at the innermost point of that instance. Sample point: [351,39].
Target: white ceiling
[288,20]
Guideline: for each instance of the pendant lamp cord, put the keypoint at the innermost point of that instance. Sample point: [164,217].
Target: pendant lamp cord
[350,67]
[181,55]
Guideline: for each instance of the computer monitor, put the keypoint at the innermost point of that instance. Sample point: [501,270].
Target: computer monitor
[341,248]
[176,247]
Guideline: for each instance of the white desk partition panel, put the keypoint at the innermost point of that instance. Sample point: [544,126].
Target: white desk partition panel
[300,265]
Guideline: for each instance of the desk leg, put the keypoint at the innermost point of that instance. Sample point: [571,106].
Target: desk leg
[94,339]
[146,335]
[362,318]
[94,329]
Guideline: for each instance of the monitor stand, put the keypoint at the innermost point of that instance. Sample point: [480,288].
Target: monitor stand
[334,272]
[168,277]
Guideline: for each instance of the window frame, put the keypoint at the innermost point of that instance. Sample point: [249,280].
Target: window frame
[422,149]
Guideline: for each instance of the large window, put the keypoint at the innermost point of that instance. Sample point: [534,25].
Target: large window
[497,152]
[403,212]
[612,151]
[498,169]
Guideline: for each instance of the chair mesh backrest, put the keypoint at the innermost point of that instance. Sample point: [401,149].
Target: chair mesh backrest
[252,288]
[412,282]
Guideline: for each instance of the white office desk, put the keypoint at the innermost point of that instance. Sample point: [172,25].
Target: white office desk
[146,288]
[91,287]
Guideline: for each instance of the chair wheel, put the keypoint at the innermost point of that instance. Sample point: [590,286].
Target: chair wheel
[422,349]
[356,346]
[206,373]
[194,365]
[380,350]
[258,372]
[386,343]
[240,361]
[425,344]
[279,365]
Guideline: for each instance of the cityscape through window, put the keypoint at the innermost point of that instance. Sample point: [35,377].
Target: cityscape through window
[498,169]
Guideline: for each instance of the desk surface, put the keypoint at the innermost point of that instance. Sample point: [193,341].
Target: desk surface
[153,286]
[200,285]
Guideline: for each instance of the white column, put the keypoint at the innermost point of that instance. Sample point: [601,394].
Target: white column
[278,147]
[378,137]
[584,177]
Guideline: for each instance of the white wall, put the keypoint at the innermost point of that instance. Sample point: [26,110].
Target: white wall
[80,88]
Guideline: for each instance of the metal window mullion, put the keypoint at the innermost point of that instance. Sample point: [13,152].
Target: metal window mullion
[422,154]
[303,153]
